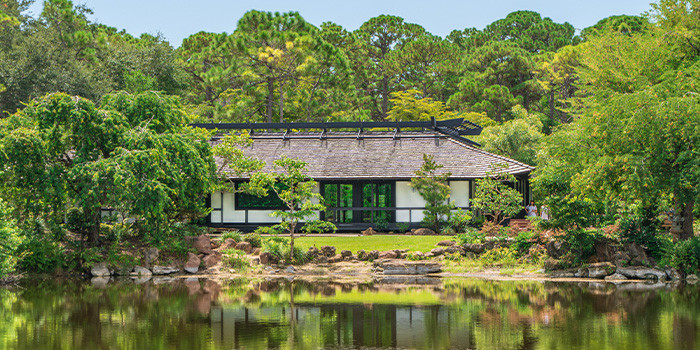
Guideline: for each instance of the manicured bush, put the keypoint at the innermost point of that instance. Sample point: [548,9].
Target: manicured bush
[254,239]
[235,235]
[471,236]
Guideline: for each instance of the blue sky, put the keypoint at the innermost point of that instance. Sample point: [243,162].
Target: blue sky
[177,19]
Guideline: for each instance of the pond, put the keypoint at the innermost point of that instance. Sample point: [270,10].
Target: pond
[279,313]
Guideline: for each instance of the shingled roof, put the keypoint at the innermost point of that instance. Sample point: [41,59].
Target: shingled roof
[378,155]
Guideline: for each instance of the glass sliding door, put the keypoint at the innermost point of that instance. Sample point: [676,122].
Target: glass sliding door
[358,195]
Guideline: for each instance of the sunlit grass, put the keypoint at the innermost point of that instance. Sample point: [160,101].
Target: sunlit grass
[376,242]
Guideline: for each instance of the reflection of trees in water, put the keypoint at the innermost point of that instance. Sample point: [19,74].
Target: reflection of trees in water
[283,314]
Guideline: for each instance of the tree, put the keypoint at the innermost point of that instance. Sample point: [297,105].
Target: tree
[518,139]
[435,191]
[409,105]
[294,188]
[556,75]
[495,198]
[135,154]
[531,32]
[622,24]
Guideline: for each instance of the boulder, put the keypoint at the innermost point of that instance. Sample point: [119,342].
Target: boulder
[346,254]
[476,248]
[600,270]
[202,244]
[244,246]
[409,268]
[290,269]
[423,232]
[229,243]
[437,251]
[369,232]
[388,255]
[373,255]
[691,277]
[211,259]
[313,252]
[164,270]
[123,270]
[563,274]
[641,273]
[615,277]
[321,259]
[672,274]
[581,273]
[557,248]
[328,251]
[150,255]
[192,264]
[100,270]
[141,272]
[362,255]
[267,258]
[215,244]
[335,259]
[454,250]
[445,243]
[428,255]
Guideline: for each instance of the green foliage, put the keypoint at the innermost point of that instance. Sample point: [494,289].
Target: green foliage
[685,256]
[434,189]
[409,105]
[581,244]
[10,240]
[517,139]
[500,256]
[234,234]
[645,230]
[471,236]
[402,227]
[275,246]
[38,254]
[298,256]
[235,259]
[254,239]
[269,230]
[523,241]
[318,226]
[459,220]
[414,256]
[496,199]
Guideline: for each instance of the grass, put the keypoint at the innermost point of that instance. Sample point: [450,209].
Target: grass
[368,243]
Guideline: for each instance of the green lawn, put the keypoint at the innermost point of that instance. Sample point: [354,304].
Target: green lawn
[377,242]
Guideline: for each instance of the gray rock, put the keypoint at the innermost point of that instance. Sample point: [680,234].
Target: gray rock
[437,251]
[141,271]
[192,264]
[672,274]
[164,270]
[642,273]
[290,269]
[345,253]
[581,273]
[445,243]
[100,270]
[328,251]
[691,277]
[362,255]
[615,277]
[373,255]
[388,255]
[313,252]
[563,274]
[600,270]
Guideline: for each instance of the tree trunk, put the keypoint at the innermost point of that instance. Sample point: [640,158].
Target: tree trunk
[385,97]
[292,228]
[93,231]
[281,104]
[687,223]
[270,98]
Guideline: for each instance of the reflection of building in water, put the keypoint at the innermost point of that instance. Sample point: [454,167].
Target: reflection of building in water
[339,325]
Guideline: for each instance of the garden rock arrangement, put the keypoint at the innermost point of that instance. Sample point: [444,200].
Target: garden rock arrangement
[104,271]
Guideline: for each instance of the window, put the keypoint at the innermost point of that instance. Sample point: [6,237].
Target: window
[246,201]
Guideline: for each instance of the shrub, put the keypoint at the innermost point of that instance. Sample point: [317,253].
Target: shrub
[318,226]
[685,255]
[581,244]
[490,228]
[478,222]
[235,259]
[299,257]
[414,256]
[644,230]
[275,246]
[235,235]
[459,220]
[402,227]
[453,257]
[269,230]
[499,256]
[40,255]
[9,240]
[254,239]
[471,236]
[523,241]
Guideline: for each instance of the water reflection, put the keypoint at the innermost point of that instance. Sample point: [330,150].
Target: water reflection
[428,314]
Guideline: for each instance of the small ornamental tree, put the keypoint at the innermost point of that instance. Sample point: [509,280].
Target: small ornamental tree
[496,199]
[435,191]
[234,161]
[294,188]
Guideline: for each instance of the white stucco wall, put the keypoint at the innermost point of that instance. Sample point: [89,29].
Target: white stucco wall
[406,196]
[459,193]
[229,214]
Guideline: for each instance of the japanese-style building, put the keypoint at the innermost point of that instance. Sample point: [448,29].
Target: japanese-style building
[363,169]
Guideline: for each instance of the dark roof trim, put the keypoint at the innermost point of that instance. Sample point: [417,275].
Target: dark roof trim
[455,128]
